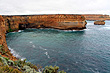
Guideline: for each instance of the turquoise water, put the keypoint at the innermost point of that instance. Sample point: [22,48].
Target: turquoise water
[86,51]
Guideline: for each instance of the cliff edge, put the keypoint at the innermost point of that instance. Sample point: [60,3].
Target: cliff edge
[4,51]
[57,21]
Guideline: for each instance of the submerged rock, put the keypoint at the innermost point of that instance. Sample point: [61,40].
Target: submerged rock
[99,23]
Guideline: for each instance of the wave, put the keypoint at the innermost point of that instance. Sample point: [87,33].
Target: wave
[104,28]
[46,53]
[42,48]
[13,32]
[107,27]
[87,29]
[20,30]
[15,54]
[30,42]
[33,46]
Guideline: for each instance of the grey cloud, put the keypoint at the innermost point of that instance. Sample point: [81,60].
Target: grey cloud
[54,6]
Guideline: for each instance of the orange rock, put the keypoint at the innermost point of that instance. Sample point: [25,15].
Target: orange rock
[99,23]
[58,21]
[3,40]
[96,17]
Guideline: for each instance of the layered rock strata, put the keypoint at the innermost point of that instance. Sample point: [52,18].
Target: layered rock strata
[58,21]
[4,51]
[94,17]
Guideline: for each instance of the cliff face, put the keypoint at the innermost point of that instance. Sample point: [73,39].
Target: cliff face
[60,21]
[4,51]
[2,32]
[14,23]
[96,17]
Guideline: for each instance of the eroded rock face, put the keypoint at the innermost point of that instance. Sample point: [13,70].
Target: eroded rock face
[99,23]
[58,21]
[95,17]
[2,32]
[4,51]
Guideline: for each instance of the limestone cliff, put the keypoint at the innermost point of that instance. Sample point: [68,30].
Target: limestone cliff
[4,51]
[57,21]
[96,17]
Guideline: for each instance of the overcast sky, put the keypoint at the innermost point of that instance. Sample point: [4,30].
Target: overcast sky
[16,7]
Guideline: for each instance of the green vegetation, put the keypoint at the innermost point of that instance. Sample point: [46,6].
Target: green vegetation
[19,66]
[2,50]
[85,22]
[9,66]
[10,30]
[51,69]
[82,17]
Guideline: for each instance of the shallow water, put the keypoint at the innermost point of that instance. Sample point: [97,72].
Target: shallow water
[86,51]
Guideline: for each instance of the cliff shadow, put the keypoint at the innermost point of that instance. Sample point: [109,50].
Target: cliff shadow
[22,26]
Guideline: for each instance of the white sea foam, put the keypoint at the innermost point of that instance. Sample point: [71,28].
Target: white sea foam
[67,30]
[12,32]
[86,29]
[33,46]
[30,42]
[107,27]
[72,30]
[90,23]
[42,48]
[15,54]
[19,30]
[46,53]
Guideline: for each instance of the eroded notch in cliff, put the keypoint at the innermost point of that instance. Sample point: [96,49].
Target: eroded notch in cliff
[22,26]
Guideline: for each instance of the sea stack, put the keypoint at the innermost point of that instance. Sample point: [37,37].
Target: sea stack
[99,23]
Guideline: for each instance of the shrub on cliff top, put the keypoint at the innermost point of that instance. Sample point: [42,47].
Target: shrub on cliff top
[19,66]
[51,69]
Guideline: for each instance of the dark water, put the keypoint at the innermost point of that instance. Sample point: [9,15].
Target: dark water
[85,51]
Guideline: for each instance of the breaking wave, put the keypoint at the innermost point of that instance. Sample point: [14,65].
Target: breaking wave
[15,54]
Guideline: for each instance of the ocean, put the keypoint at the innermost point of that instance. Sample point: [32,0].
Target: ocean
[85,51]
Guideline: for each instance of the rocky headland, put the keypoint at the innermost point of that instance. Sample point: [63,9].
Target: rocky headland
[94,17]
[58,21]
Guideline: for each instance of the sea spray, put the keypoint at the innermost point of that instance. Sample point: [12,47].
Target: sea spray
[20,30]
[15,53]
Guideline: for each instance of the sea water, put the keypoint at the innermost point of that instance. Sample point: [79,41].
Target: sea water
[86,51]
